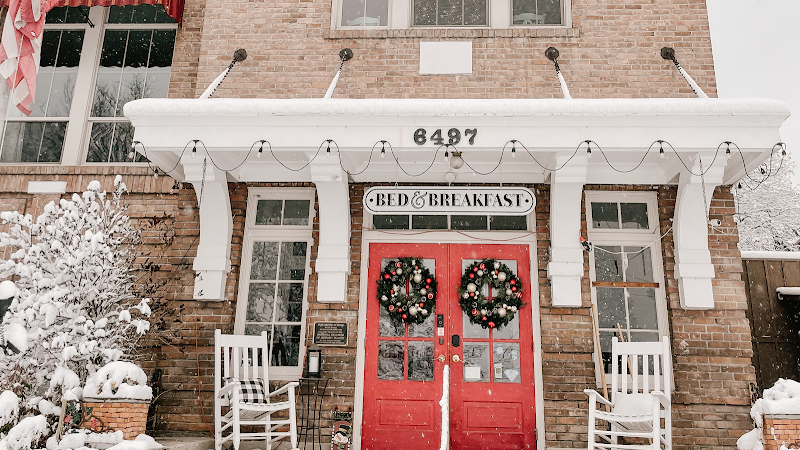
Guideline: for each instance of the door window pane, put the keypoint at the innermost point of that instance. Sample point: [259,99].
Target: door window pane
[260,302]
[285,345]
[640,265]
[268,212]
[391,360]
[605,215]
[293,260]
[508,331]
[296,212]
[429,222]
[389,327]
[420,361]
[290,302]
[506,362]
[476,361]
[265,261]
[634,215]
[642,307]
[389,222]
[508,223]
[611,307]
[468,222]
[370,13]
[424,329]
[608,263]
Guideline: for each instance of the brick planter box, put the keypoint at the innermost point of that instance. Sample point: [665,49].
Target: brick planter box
[781,429]
[128,416]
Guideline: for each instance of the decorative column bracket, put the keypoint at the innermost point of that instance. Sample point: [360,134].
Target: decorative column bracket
[693,268]
[565,268]
[213,261]
[333,254]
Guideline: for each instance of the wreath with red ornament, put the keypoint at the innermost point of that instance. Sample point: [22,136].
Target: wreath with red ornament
[418,301]
[499,309]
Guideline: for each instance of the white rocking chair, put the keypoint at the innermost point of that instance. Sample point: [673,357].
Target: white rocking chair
[241,385]
[640,398]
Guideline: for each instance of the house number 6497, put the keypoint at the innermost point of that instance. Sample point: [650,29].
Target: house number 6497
[453,136]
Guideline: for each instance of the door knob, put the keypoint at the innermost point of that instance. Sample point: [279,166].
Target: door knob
[456,358]
[442,358]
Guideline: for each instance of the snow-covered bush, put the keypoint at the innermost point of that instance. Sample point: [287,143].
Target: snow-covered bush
[768,211]
[782,398]
[74,309]
[118,379]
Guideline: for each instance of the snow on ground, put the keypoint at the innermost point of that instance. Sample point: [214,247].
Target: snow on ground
[118,379]
[27,432]
[781,398]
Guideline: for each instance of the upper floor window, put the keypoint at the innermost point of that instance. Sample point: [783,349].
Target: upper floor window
[450,13]
[86,75]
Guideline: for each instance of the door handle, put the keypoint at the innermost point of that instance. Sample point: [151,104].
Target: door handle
[456,358]
[442,358]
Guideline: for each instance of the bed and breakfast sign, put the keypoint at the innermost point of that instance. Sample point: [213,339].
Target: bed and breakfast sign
[493,200]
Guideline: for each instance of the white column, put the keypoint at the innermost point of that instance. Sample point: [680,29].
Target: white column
[213,261]
[333,253]
[693,268]
[565,268]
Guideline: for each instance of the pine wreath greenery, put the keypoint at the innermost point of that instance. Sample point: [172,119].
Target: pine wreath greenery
[420,302]
[493,312]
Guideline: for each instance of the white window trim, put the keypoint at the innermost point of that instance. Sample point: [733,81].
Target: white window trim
[295,233]
[401,13]
[76,139]
[629,237]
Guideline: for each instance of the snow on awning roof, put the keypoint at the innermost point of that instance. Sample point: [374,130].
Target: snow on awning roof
[623,128]
[787,290]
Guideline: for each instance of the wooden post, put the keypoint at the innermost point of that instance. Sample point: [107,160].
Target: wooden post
[595,328]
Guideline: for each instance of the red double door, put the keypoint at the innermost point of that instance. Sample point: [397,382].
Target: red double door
[491,383]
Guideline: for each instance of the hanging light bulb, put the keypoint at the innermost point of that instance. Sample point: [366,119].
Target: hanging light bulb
[260,150]
[513,149]
[130,155]
[456,162]
[194,149]
[175,187]
[727,150]
[588,152]
[446,156]
[661,153]
[155,173]
[383,149]
[328,150]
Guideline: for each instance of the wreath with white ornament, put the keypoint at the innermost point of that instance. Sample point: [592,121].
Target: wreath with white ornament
[411,275]
[496,311]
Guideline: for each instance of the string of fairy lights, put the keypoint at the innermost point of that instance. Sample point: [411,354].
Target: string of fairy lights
[766,170]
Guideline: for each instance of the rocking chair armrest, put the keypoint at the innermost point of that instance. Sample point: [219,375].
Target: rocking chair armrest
[661,398]
[228,388]
[284,388]
[594,395]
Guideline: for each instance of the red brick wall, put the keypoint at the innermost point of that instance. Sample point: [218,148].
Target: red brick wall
[130,418]
[612,50]
[778,431]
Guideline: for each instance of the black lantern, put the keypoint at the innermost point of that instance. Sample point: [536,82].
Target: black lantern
[313,361]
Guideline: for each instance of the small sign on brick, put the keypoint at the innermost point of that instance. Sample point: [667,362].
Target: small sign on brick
[331,334]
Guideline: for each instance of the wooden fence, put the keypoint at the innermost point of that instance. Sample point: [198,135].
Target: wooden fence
[774,323]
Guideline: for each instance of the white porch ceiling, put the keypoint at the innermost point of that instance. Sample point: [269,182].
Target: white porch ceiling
[297,128]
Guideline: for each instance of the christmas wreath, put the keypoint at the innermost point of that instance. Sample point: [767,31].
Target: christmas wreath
[490,312]
[420,301]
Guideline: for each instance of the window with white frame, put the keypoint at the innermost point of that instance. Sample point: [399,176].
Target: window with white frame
[86,75]
[273,284]
[449,13]
[626,271]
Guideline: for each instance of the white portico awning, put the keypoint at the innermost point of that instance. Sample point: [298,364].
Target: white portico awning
[549,128]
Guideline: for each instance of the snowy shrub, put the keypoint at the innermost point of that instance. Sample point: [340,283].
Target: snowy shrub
[74,309]
[118,379]
[768,212]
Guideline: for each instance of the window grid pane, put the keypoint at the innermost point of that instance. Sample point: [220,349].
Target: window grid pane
[451,13]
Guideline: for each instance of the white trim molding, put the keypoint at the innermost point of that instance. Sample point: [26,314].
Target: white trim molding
[213,261]
[333,254]
[565,268]
[693,267]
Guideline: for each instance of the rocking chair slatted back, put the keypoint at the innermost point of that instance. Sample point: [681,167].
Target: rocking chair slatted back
[640,367]
[241,357]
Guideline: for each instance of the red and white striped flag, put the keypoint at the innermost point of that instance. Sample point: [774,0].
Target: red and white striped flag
[20,49]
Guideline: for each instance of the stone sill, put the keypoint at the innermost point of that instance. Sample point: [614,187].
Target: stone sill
[467,33]
[114,400]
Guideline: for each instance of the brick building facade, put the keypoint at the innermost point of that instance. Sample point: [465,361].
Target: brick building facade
[203,269]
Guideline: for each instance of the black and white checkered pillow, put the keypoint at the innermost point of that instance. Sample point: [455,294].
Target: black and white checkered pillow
[250,390]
